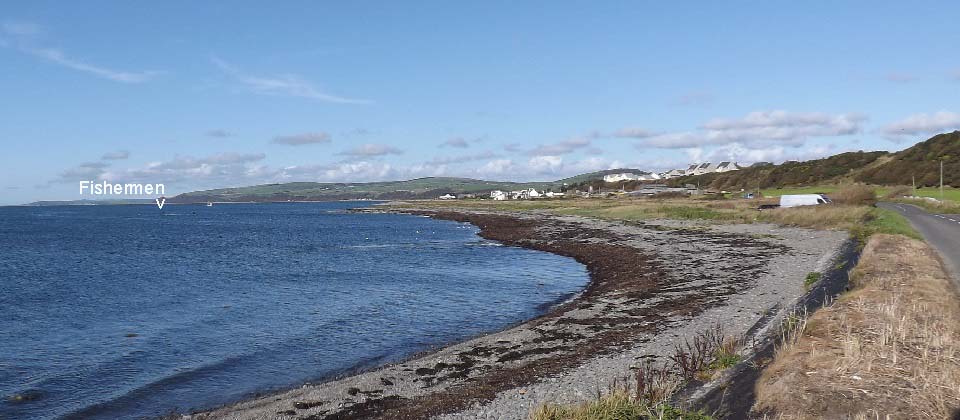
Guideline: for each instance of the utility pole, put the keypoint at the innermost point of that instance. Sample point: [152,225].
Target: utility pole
[913,178]
[941,179]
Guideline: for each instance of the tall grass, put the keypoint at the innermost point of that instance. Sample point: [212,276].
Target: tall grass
[890,348]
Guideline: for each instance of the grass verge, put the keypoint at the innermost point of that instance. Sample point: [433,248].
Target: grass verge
[890,347]
[616,406]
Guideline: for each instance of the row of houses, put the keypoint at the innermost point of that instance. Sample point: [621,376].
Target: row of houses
[701,168]
[524,194]
[694,169]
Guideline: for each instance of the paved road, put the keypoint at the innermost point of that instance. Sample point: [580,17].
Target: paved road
[940,230]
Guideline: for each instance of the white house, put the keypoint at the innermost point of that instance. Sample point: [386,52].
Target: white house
[674,173]
[447,197]
[525,194]
[551,194]
[498,195]
[702,168]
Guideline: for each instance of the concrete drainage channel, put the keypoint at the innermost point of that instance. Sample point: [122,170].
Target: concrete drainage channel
[732,395]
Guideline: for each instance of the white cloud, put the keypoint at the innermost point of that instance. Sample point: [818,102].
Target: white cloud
[560,148]
[370,150]
[922,124]
[762,128]
[545,164]
[737,152]
[496,167]
[282,85]
[302,139]
[117,155]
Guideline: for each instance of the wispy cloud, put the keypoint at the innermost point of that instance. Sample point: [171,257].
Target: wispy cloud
[302,139]
[921,124]
[898,77]
[458,142]
[693,99]
[23,38]
[118,155]
[446,160]
[282,85]
[218,133]
[372,150]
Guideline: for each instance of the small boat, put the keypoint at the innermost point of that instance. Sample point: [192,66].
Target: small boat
[209,204]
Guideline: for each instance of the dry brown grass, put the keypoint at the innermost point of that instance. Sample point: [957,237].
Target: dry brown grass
[891,347]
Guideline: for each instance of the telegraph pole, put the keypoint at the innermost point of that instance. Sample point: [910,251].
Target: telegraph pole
[941,179]
[913,178]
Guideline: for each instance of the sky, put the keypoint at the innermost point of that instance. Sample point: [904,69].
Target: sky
[199,95]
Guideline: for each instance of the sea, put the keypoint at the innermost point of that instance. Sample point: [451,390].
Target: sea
[130,311]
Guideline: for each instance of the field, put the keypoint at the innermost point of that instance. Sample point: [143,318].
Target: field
[844,217]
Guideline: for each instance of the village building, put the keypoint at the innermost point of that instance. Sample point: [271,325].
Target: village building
[498,195]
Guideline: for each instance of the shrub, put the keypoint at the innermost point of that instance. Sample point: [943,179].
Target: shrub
[855,195]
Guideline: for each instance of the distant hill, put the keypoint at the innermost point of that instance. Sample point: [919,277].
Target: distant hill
[879,168]
[420,188]
[92,202]
[391,190]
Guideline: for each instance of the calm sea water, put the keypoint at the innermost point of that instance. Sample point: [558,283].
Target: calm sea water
[130,311]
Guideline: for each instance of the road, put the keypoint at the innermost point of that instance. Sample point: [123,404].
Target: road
[942,231]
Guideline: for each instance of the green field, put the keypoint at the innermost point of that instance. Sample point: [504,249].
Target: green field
[949,193]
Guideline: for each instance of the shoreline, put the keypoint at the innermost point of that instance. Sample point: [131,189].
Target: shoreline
[633,297]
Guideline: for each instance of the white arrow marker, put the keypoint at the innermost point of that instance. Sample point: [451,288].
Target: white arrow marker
[160,203]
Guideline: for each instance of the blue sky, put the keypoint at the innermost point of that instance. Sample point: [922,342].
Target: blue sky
[205,94]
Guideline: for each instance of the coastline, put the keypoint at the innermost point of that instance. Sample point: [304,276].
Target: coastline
[638,302]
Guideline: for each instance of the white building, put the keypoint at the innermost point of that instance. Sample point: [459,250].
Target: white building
[447,197]
[525,194]
[551,194]
[498,195]
[628,176]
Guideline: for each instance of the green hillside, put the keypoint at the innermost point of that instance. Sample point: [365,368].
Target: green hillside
[812,172]
[921,161]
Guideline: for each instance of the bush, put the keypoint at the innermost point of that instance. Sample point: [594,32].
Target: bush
[857,195]
[899,192]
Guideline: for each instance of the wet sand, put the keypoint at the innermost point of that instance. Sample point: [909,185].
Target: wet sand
[652,284]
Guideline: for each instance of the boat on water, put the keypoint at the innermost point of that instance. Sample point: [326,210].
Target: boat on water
[209,204]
